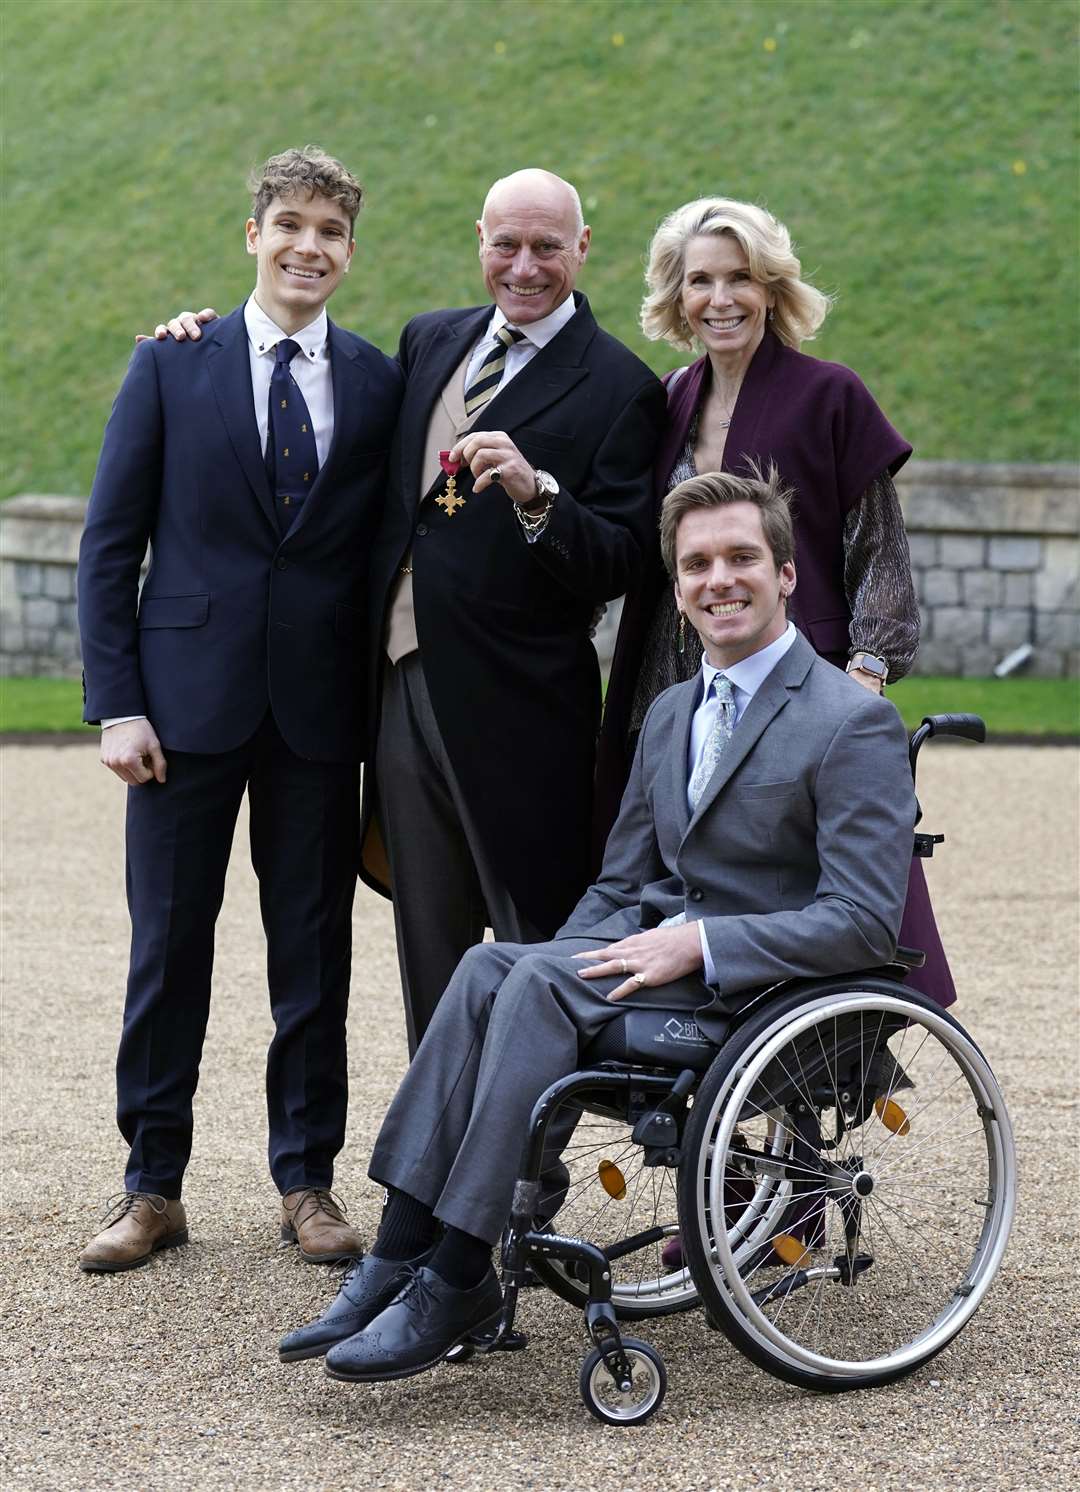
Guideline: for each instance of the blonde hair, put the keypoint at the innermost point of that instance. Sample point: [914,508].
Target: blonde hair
[799,307]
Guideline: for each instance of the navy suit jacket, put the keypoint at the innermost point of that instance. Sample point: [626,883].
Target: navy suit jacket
[233,619]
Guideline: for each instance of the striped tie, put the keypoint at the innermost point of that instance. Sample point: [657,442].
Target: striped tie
[489,374]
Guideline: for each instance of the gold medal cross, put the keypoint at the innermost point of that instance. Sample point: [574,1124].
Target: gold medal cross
[449,501]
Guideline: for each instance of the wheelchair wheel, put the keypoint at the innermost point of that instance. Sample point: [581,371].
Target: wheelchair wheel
[629,1210]
[603,1397]
[876,1141]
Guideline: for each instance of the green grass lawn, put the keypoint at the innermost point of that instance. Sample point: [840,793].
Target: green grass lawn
[1036,707]
[922,151]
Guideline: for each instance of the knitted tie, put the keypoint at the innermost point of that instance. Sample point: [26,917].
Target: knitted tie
[292,460]
[717,739]
[489,374]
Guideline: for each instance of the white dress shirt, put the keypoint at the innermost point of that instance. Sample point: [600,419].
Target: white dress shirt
[746,679]
[310,368]
[537,334]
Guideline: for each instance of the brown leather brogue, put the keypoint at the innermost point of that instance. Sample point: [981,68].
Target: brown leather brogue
[137,1224]
[315,1219]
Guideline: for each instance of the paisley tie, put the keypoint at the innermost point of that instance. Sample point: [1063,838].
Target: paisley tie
[717,739]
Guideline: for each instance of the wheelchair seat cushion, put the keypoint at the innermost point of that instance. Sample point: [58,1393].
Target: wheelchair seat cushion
[656,1038]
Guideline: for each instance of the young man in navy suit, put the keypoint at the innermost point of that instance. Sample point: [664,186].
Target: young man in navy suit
[253,462]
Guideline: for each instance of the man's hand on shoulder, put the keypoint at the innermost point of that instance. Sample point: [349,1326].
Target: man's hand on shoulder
[647,959]
[133,752]
[182,326]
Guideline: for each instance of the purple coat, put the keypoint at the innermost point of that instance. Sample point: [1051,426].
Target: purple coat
[829,439]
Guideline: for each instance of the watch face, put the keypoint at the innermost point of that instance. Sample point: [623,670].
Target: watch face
[546,482]
[871,664]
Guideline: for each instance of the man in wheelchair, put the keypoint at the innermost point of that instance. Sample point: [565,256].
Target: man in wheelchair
[765,835]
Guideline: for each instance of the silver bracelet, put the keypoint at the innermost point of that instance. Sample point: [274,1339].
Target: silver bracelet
[534,523]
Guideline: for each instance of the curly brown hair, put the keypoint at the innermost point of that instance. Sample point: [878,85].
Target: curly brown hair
[309,170]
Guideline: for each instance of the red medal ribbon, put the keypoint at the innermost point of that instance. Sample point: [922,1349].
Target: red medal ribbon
[451,468]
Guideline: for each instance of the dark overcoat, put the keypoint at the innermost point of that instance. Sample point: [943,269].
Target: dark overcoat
[503,625]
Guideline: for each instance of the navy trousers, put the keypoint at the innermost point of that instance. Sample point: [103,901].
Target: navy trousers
[304,848]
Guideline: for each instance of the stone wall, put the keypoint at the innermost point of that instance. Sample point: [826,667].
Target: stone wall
[995,549]
[39,547]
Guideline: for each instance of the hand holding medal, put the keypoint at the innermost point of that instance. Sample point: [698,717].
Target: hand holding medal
[494,459]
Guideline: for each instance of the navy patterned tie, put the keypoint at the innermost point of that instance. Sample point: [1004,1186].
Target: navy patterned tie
[292,460]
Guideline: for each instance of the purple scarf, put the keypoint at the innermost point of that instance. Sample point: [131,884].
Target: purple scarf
[829,440]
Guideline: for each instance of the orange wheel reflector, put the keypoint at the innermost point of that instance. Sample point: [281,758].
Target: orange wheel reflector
[790,1250]
[892,1116]
[612,1179]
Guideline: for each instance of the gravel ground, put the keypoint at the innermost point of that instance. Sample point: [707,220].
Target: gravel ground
[167,1377]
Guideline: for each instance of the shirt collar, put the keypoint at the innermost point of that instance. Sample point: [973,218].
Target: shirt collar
[750,673]
[541,332]
[264,334]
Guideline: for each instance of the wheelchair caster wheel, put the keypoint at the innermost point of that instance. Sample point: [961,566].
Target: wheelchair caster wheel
[603,1398]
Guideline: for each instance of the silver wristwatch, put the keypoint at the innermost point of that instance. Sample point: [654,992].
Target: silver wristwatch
[546,485]
[869,663]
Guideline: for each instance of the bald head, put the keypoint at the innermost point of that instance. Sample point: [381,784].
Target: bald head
[533,242]
[535,185]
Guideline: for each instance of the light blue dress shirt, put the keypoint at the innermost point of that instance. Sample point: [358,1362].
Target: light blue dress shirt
[746,678]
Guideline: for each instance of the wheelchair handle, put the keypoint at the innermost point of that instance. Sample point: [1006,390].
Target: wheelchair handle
[969,727]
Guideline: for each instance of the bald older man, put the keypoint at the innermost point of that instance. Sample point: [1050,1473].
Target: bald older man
[519,503]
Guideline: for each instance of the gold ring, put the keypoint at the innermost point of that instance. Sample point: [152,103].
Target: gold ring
[496,473]
[639,980]
[624,965]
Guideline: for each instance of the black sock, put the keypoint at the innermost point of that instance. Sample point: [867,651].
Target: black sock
[406,1229]
[460,1259]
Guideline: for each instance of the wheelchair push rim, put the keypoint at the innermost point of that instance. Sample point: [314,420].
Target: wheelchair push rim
[917,1180]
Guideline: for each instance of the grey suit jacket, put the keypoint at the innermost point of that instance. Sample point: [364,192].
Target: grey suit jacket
[798,853]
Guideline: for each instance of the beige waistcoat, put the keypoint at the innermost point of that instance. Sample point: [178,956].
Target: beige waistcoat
[447,425]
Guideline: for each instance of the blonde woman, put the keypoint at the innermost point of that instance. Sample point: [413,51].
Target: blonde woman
[723,278]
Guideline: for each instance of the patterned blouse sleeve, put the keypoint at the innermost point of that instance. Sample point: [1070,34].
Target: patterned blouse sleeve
[877,579]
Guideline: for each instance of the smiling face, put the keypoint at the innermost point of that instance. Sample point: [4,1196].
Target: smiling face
[532,245]
[303,246]
[727,583]
[725,307]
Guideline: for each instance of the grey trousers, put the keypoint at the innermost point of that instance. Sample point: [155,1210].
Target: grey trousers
[445,890]
[511,1022]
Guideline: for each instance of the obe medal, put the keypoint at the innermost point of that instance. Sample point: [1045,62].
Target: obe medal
[449,501]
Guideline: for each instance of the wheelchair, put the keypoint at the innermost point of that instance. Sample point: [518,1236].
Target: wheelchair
[833,1182]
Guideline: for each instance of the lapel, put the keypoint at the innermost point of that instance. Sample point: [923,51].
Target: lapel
[548,377]
[229,371]
[449,344]
[752,404]
[679,751]
[766,704]
[551,374]
[349,379]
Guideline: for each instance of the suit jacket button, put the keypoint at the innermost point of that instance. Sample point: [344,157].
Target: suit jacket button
[696,893]
[421,529]
[281,564]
